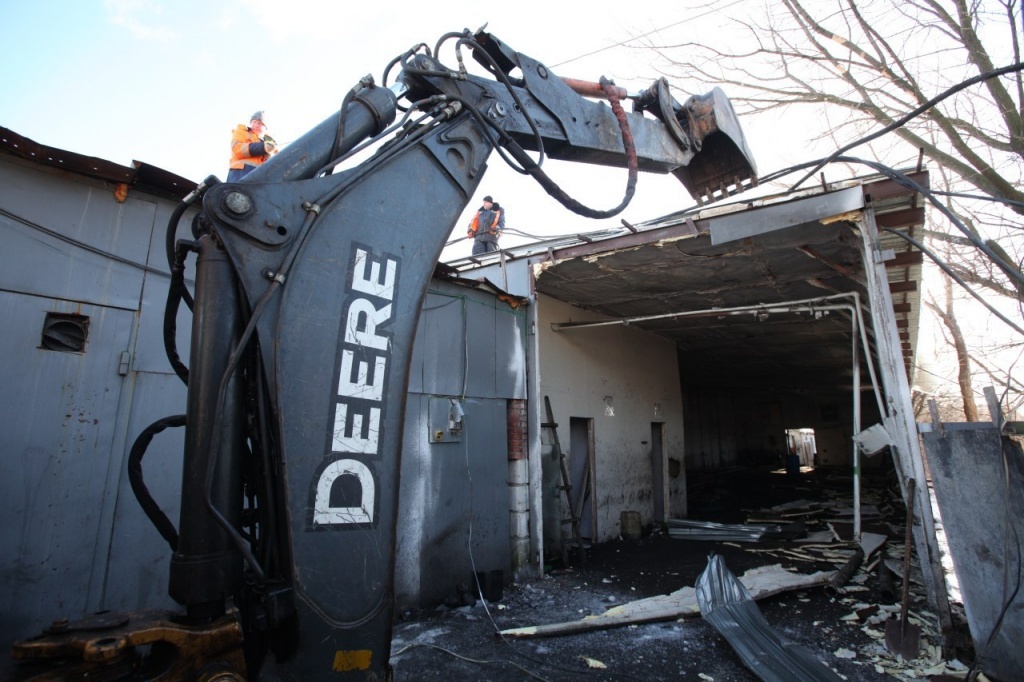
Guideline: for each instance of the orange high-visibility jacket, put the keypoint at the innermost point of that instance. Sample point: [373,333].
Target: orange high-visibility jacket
[495,226]
[246,148]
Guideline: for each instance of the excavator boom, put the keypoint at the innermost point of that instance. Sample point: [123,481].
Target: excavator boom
[309,285]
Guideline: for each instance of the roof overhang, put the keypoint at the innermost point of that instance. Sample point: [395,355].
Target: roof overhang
[761,293]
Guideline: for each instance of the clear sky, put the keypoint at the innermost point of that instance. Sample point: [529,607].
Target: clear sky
[165,81]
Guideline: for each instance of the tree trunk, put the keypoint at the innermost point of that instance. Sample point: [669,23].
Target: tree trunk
[963,359]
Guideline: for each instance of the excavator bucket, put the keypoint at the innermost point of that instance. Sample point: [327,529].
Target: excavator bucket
[707,126]
[723,164]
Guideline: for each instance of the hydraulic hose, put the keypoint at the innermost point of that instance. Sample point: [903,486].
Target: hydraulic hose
[175,294]
[138,483]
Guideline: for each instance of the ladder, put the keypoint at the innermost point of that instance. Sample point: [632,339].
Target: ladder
[574,510]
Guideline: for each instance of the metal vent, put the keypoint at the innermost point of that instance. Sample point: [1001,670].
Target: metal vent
[65,333]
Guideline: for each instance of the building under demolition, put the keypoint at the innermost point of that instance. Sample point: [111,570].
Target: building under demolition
[559,391]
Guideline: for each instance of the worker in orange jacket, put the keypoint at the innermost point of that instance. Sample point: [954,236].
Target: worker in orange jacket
[250,147]
[486,226]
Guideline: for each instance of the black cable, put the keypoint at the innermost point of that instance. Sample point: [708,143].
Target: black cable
[138,483]
[80,244]
[339,133]
[451,35]
[172,226]
[978,197]
[382,134]
[913,114]
[411,51]
[903,179]
[496,70]
[946,269]
[172,230]
[175,294]
[555,191]
[465,658]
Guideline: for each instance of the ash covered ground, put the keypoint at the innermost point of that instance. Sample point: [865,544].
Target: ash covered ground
[462,643]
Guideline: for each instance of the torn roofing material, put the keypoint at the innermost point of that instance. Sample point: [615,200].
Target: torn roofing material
[729,607]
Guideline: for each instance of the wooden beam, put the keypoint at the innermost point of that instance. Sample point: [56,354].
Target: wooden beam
[897,287]
[883,189]
[905,218]
[905,258]
[841,269]
[901,307]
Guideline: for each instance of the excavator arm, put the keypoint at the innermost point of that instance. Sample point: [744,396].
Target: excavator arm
[309,285]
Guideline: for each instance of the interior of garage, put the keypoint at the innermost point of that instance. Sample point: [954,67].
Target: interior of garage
[778,334]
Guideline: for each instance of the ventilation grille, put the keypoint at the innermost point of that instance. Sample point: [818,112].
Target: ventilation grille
[65,333]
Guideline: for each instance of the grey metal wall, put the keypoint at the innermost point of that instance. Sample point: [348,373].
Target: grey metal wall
[454,492]
[74,539]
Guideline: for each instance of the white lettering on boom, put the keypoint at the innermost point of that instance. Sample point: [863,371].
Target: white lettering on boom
[360,397]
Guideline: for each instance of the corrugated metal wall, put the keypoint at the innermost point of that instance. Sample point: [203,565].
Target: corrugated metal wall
[75,539]
[454,492]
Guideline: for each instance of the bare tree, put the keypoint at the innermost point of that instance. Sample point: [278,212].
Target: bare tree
[956,334]
[865,65]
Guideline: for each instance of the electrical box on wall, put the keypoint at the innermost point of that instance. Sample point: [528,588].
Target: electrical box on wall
[444,420]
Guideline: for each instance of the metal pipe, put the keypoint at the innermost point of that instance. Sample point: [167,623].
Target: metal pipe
[867,352]
[591,89]
[854,308]
[856,425]
[803,305]
[843,575]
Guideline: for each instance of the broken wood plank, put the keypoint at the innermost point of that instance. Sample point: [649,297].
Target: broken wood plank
[761,582]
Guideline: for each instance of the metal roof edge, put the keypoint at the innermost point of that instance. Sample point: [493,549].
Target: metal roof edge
[142,176]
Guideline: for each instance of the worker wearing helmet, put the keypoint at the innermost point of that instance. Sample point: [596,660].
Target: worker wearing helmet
[250,147]
[486,226]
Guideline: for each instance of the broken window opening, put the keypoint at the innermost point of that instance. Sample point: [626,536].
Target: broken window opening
[801,450]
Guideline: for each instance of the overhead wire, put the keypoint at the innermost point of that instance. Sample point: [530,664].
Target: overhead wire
[949,271]
[490,617]
[713,10]
[900,122]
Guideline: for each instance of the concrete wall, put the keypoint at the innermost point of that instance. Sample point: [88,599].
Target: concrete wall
[624,380]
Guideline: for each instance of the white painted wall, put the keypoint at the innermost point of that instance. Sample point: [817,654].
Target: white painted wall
[638,371]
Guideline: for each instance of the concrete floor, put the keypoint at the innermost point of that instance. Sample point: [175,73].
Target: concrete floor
[461,643]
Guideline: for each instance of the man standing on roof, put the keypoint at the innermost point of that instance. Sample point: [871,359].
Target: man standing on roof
[250,147]
[486,226]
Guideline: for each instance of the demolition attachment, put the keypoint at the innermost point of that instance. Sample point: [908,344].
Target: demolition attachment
[707,125]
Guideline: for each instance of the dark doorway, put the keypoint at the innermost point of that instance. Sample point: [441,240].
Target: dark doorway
[581,457]
[658,469]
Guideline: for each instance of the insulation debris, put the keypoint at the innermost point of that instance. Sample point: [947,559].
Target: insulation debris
[759,582]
